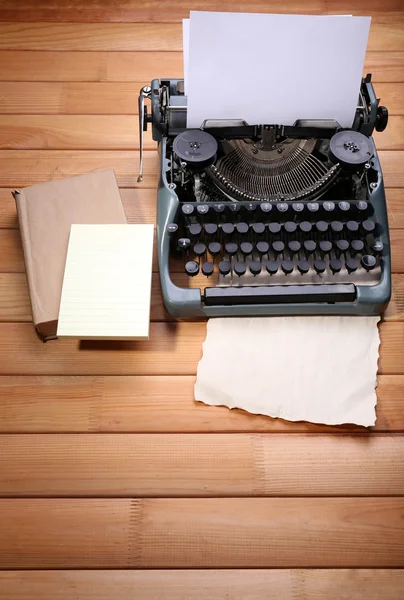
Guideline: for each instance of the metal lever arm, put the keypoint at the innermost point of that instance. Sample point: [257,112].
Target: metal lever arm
[145,92]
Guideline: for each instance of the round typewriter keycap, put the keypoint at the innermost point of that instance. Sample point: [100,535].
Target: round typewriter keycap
[251,206]
[290,227]
[351,265]
[362,205]
[303,266]
[266,207]
[199,249]
[195,229]
[187,209]
[242,227]
[224,267]
[183,243]
[325,246]
[278,247]
[343,245]
[274,227]
[258,228]
[309,246]
[287,266]
[207,268]
[231,248]
[344,206]
[255,267]
[214,248]
[172,227]
[218,207]
[357,245]
[202,209]
[294,246]
[192,268]
[328,205]
[352,226]
[246,248]
[282,206]
[321,226]
[377,246]
[313,206]
[298,206]
[240,268]
[263,248]
[337,226]
[228,228]
[368,226]
[272,267]
[368,262]
[335,265]
[305,226]
[319,265]
[210,228]
[234,207]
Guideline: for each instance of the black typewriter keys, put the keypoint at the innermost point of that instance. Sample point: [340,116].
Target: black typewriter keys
[377,246]
[187,209]
[199,249]
[305,226]
[342,245]
[352,226]
[274,227]
[224,267]
[303,266]
[234,207]
[272,267]
[202,209]
[368,262]
[310,246]
[328,205]
[172,228]
[335,265]
[325,246]
[240,268]
[192,268]
[183,244]
[258,228]
[287,266]
[246,248]
[319,265]
[336,226]
[294,246]
[321,226]
[298,206]
[362,205]
[207,268]
[357,245]
[250,207]
[255,267]
[214,248]
[231,248]
[228,228]
[263,248]
[290,226]
[218,207]
[195,147]
[278,247]
[368,226]
[313,206]
[210,228]
[195,229]
[282,206]
[351,264]
[266,207]
[344,206]
[242,228]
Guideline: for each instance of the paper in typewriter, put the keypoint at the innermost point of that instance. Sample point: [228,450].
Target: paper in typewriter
[274,68]
[318,369]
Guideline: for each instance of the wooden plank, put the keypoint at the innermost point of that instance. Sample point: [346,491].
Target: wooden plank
[187,465]
[20,168]
[11,255]
[114,132]
[288,584]
[203,533]
[153,405]
[139,205]
[132,11]
[395,206]
[385,35]
[18,65]
[120,98]
[173,349]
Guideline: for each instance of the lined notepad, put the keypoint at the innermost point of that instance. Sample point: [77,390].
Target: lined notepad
[107,282]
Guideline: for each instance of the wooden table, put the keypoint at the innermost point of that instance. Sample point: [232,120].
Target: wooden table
[114,483]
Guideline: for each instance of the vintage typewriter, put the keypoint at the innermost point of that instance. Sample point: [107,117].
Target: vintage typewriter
[269,219]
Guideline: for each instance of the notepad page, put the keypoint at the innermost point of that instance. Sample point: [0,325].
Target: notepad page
[107,282]
[274,68]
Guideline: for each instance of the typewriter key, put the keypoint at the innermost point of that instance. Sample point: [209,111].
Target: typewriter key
[266,207]
[172,227]
[272,267]
[202,209]
[321,226]
[210,228]
[368,262]
[234,207]
[224,267]
[228,228]
[305,226]
[187,209]
[263,248]
[351,265]
[255,267]
[335,265]
[214,248]
[242,228]
[294,246]
[336,226]
[357,245]
[290,227]
[352,226]
[240,268]
[183,244]
[207,268]
[258,228]
[192,268]
[287,266]
[274,227]
[303,266]
[328,206]
[325,246]
[278,247]
[342,245]
[195,229]
[377,246]
[246,248]
[368,226]
[310,246]
[231,248]
[319,265]
[199,249]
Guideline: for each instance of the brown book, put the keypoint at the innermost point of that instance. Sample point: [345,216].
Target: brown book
[45,213]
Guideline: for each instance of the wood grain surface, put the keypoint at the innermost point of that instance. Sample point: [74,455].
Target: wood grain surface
[114,482]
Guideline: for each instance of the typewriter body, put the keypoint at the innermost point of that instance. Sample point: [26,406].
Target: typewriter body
[267,219]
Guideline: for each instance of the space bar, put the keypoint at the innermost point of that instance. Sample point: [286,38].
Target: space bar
[282,294]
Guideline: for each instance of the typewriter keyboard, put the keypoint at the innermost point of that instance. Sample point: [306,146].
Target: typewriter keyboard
[237,244]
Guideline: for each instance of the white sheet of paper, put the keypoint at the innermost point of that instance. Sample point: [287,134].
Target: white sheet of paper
[107,282]
[185,51]
[318,369]
[274,68]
